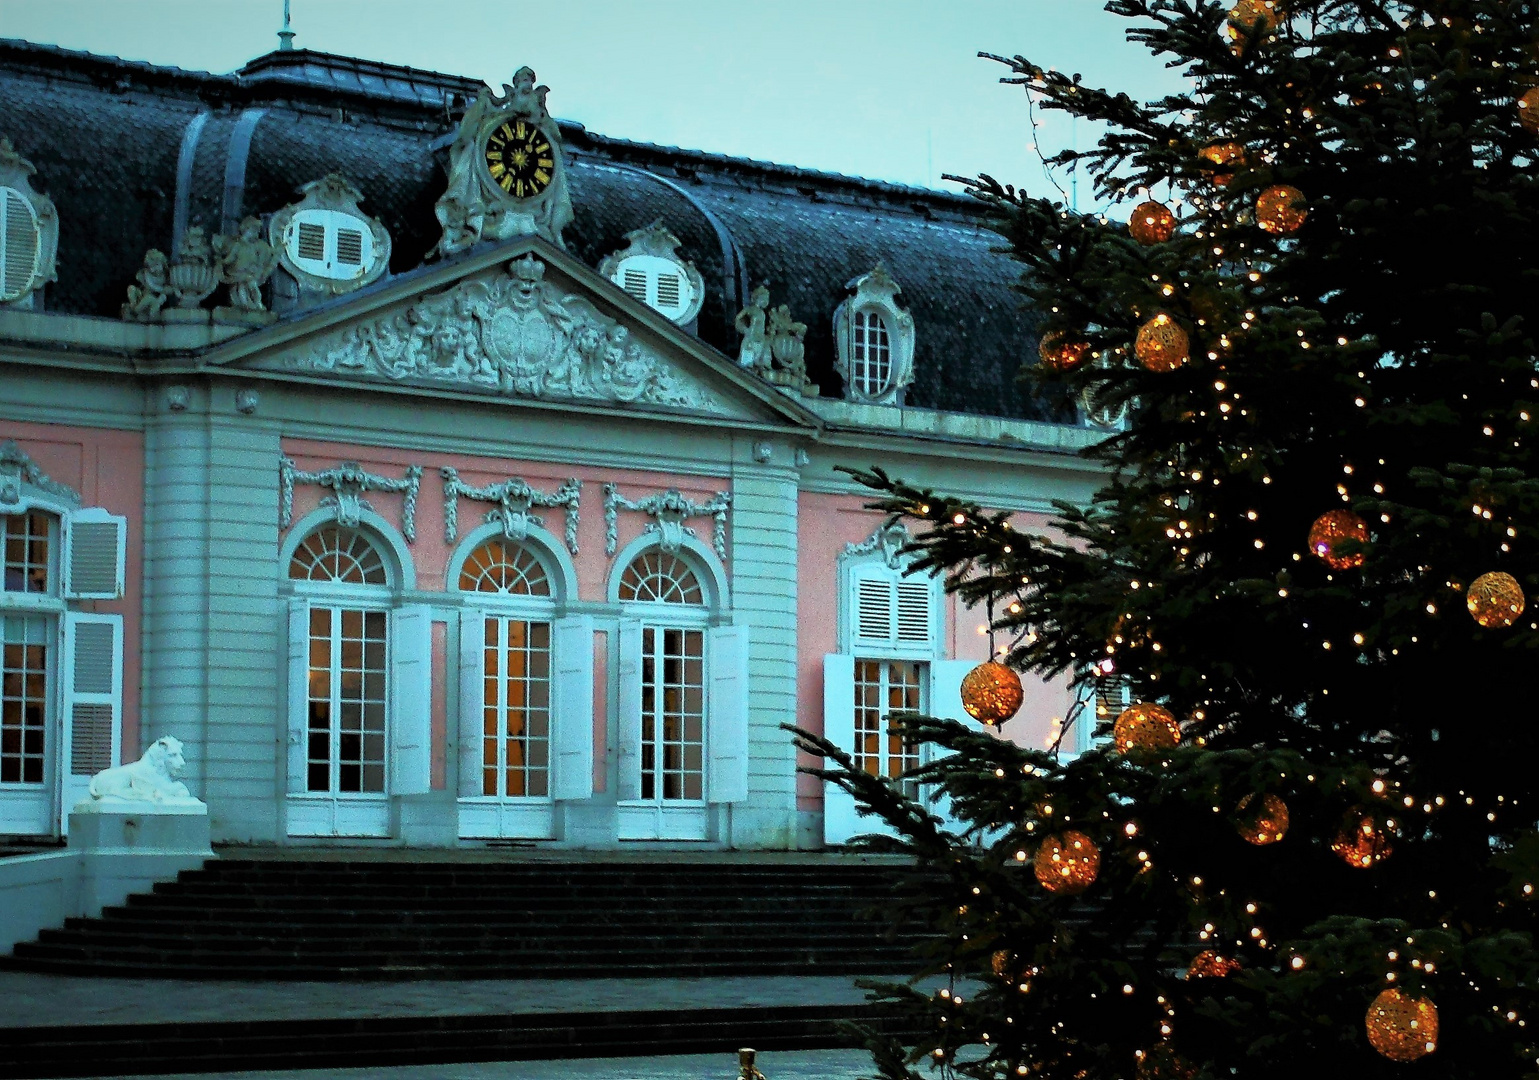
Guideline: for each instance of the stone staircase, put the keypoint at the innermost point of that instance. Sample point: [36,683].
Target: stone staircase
[335,918]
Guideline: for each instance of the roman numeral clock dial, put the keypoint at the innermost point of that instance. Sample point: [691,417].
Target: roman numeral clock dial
[519,159]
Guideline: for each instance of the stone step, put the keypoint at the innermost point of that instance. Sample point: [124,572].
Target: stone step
[84,1050]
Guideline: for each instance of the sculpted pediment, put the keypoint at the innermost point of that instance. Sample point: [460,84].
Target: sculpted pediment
[511,333]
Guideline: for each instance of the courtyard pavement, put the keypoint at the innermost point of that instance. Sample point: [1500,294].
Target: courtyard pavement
[33,1000]
[775,1065]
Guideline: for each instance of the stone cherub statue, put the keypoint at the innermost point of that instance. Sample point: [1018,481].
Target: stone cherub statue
[471,209]
[774,344]
[754,351]
[147,297]
[246,260]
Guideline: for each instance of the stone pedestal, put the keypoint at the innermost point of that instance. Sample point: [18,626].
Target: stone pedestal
[126,846]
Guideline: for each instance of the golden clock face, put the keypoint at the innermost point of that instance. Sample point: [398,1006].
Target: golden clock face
[520,159]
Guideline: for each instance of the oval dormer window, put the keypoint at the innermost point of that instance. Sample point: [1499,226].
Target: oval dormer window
[657,282]
[870,353]
[19,244]
[330,244]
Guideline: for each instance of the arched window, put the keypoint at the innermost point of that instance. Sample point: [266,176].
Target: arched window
[507,699]
[683,694]
[340,634]
[336,554]
[501,566]
[870,353]
[660,577]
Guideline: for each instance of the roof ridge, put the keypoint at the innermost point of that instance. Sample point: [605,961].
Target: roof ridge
[267,64]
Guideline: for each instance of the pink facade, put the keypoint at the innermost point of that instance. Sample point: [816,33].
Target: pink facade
[107,468]
[825,524]
[431,552]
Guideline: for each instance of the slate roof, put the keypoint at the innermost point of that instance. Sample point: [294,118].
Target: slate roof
[108,135]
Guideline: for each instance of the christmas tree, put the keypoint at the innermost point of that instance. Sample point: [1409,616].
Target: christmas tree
[1303,842]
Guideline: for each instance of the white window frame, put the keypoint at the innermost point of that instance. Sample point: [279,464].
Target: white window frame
[337,813]
[10,196]
[331,223]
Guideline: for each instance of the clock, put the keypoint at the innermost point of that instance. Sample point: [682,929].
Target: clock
[519,159]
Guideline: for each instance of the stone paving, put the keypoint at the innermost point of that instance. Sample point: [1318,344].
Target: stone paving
[775,1065]
[39,1000]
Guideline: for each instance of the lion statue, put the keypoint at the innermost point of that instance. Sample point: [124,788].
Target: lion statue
[153,778]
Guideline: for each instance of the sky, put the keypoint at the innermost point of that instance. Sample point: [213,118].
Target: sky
[888,89]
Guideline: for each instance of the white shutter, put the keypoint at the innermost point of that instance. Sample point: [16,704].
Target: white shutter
[94,546]
[628,710]
[873,608]
[18,245]
[726,739]
[411,700]
[946,702]
[839,814]
[92,724]
[299,694]
[572,641]
[914,601]
[472,700]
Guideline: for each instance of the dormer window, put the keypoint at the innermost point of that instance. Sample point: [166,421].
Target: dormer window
[874,340]
[29,231]
[650,270]
[330,244]
[326,243]
[658,283]
[18,245]
[870,354]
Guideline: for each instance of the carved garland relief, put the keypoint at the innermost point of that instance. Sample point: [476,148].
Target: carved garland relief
[669,511]
[513,335]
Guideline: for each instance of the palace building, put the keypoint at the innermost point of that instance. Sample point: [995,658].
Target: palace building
[441,473]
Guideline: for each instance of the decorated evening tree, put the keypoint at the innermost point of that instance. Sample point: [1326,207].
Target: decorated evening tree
[1303,841]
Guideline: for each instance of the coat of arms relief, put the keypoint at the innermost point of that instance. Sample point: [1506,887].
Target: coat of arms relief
[515,334]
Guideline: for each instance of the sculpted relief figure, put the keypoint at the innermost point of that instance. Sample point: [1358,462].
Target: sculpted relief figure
[506,173]
[516,334]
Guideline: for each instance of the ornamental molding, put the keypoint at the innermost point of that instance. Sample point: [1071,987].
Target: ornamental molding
[514,499]
[473,208]
[887,541]
[338,194]
[875,292]
[348,482]
[514,335]
[669,511]
[16,173]
[18,472]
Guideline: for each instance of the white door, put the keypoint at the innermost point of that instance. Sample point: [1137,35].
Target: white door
[29,759]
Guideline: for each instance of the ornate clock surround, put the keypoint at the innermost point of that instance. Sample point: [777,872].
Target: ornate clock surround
[475,207]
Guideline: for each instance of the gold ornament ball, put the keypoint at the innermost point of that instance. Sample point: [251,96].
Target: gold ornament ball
[1245,16]
[1221,161]
[1161,344]
[991,693]
[1061,352]
[1146,726]
[1210,965]
[1000,963]
[1362,841]
[1402,1027]
[1266,824]
[1329,530]
[1495,599]
[1067,862]
[1280,209]
[1528,110]
[1151,223]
